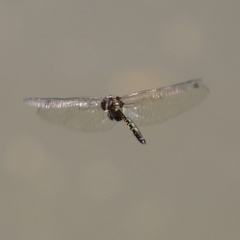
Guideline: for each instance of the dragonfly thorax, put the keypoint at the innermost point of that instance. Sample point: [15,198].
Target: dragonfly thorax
[111,105]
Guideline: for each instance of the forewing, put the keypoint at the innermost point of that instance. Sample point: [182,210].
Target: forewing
[157,105]
[83,114]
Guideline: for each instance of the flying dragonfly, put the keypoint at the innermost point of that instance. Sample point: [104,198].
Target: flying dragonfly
[136,109]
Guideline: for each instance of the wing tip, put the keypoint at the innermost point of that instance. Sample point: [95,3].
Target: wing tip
[28,101]
[198,83]
[34,102]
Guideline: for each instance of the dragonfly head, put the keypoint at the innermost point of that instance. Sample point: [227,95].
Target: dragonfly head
[111,103]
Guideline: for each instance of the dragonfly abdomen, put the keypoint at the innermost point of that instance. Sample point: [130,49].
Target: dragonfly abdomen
[132,126]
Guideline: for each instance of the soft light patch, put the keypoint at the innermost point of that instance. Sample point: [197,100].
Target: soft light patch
[181,38]
[101,179]
[25,157]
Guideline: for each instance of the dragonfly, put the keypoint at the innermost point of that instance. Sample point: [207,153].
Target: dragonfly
[142,108]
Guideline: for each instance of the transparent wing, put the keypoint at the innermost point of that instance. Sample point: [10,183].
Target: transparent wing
[83,114]
[157,105]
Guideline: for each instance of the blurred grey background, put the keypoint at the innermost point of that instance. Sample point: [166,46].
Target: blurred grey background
[60,184]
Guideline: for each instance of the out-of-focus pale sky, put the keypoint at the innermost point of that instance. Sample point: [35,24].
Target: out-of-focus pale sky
[59,184]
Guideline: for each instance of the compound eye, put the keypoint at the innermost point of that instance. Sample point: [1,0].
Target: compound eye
[104,104]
